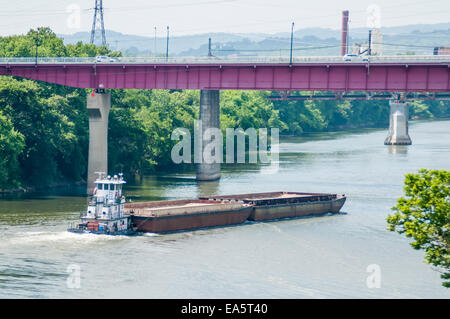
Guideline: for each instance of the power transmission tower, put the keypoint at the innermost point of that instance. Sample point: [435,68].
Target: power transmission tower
[98,22]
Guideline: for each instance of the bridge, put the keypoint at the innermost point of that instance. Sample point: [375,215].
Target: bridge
[395,77]
[379,74]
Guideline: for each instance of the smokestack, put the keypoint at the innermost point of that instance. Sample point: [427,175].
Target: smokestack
[344,36]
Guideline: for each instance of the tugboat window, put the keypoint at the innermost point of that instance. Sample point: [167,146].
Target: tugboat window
[100,187]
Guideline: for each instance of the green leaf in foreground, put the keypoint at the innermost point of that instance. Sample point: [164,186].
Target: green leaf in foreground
[423,214]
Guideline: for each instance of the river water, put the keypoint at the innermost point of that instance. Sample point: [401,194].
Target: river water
[321,257]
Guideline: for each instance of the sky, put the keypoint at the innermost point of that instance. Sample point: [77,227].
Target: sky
[140,17]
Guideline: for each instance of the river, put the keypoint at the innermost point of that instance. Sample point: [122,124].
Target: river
[321,257]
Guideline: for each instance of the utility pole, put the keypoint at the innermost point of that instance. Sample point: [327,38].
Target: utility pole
[292,42]
[167,44]
[154,52]
[369,52]
[37,42]
[98,21]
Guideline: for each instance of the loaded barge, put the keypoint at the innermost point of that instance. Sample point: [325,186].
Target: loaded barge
[277,205]
[176,215]
[108,212]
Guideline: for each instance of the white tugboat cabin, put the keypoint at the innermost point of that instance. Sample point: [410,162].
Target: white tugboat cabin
[105,213]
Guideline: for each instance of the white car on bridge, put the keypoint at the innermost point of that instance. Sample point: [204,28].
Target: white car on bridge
[104,59]
[356,58]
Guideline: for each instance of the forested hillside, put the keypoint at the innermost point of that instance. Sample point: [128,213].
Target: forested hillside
[44,128]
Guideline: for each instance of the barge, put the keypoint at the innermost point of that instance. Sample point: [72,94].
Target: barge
[277,205]
[180,215]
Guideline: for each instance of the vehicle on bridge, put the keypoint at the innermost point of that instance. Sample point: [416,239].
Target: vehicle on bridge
[441,51]
[103,59]
[356,58]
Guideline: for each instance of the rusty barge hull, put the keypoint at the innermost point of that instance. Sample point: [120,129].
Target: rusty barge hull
[272,212]
[180,215]
[278,205]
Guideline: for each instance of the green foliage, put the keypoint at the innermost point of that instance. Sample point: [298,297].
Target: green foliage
[327,115]
[11,146]
[49,45]
[246,109]
[323,115]
[52,147]
[419,110]
[141,125]
[50,121]
[424,215]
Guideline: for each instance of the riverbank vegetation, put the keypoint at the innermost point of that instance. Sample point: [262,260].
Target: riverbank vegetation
[44,128]
[424,215]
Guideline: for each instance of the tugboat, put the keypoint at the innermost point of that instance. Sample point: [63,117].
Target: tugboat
[105,213]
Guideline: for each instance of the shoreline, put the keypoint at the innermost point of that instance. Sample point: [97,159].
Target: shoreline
[342,130]
[35,189]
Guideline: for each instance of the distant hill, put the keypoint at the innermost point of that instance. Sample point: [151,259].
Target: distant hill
[145,45]
[415,38]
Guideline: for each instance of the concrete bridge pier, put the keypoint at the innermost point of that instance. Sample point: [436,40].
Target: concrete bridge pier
[98,106]
[398,124]
[209,118]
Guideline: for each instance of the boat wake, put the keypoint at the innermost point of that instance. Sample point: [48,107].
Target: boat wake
[151,235]
[33,238]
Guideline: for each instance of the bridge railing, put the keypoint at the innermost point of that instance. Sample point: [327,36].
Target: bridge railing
[224,60]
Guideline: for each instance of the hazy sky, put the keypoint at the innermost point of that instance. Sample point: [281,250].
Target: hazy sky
[200,16]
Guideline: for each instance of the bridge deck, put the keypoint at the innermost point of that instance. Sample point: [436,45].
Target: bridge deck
[411,59]
[393,74]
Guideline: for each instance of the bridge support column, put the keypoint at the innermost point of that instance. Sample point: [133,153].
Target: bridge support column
[398,124]
[209,118]
[98,106]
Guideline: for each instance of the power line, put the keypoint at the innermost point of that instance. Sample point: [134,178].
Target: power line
[164,6]
[406,45]
[98,19]
[277,50]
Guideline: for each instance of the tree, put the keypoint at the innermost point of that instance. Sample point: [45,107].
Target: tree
[249,109]
[52,129]
[11,145]
[424,215]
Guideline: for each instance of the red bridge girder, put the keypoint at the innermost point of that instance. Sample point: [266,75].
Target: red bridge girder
[393,77]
